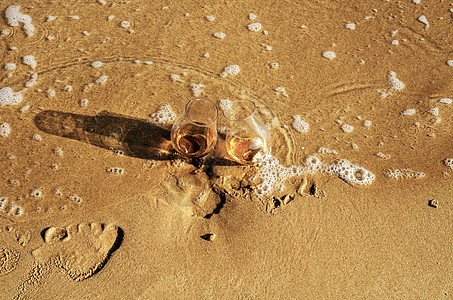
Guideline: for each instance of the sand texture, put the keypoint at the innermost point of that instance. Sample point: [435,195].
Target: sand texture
[355,201]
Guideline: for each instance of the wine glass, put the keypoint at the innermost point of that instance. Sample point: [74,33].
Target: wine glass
[247,139]
[194,133]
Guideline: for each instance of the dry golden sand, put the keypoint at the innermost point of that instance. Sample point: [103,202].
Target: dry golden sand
[142,234]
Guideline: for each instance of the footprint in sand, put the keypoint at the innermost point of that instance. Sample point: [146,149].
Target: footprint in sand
[10,254]
[8,260]
[81,250]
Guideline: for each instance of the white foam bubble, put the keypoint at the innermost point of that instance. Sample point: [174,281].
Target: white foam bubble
[25,108]
[3,201]
[445,101]
[254,27]
[408,112]
[102,79]
[176,78]
[32,81]
[87,87]
[9,97]
[450,62]
[225,104]
[5,129]
[58,151]
[281,90]
[347,128]
[403,173]
[382,155]
[329,55]
[273,65]
[300,125]
[267,47]
[84,103]
[252,16]
[37,137]
[197,89]
[210,18]
[37,193]
[230,70]
[10,66]
[51,18]
[423,20]
[350,173]
[115,170]
[313,164]
[434,111]
[394,83]
[51,93]
[350,26]
[15,209]
[323,150]
[449,162]
[367,123]
[29,60]
[219,35]
[9,207]
[14,17]
[164,115]
[58,192]
[416,1]
[97,64]
[395,42]
[125,24]
[75,198]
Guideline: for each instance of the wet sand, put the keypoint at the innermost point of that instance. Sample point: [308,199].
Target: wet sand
[95,204]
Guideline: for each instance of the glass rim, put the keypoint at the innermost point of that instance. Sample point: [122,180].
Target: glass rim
[205,99]
[241,119]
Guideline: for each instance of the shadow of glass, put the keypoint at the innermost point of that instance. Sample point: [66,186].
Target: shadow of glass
[134,137]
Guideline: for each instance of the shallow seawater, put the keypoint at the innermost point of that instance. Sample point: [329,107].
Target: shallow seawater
[103,143]
[109,139]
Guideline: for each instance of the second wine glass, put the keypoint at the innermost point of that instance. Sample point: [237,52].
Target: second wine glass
[247,139]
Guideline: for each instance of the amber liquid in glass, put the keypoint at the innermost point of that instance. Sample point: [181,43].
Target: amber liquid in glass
[242,149]
[192,141]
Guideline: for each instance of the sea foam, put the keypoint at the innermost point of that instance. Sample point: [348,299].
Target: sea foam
[300,125]
[5,129]
[272,175]
[230,70]
[164,115]
[14,17]
[9,97]
[30,60]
